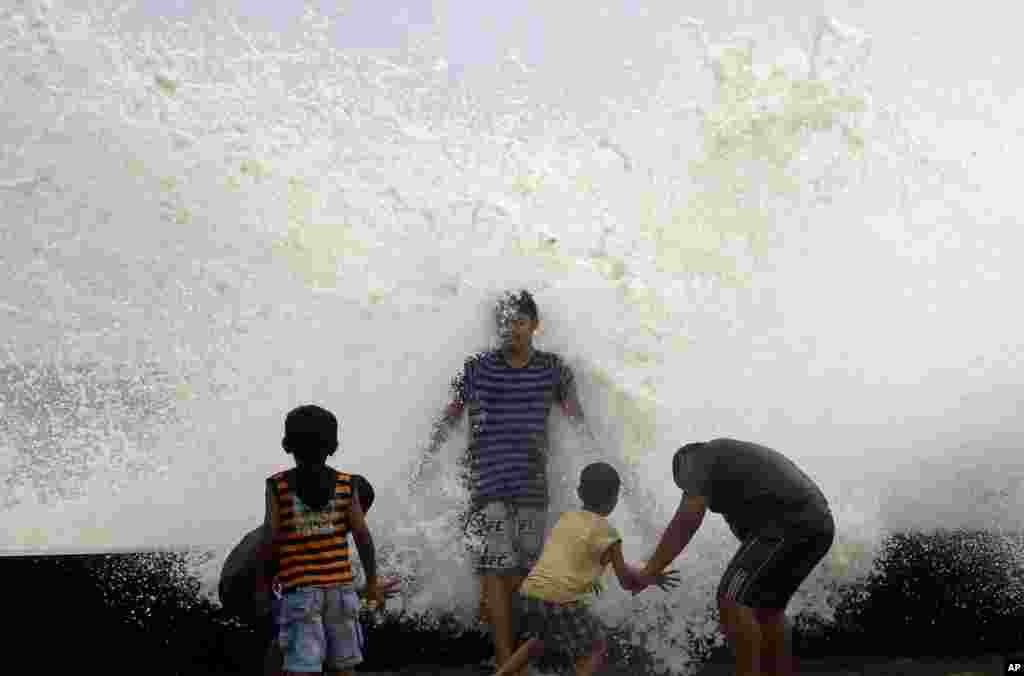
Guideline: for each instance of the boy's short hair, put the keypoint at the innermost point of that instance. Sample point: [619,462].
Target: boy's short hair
[599,483]
[365,491]
[512,302]
[310,433]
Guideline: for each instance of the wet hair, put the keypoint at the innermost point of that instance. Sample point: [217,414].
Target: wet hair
[599,484]
[311,435]
[365,490]
[512,302]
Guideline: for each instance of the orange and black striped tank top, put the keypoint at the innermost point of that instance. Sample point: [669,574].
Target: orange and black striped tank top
[311,547]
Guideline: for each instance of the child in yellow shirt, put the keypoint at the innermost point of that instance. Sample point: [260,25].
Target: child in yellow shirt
[580,547]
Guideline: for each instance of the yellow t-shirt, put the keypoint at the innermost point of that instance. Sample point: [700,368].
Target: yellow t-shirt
[571,560]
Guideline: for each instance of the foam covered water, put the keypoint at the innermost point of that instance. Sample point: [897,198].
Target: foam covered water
[754,234]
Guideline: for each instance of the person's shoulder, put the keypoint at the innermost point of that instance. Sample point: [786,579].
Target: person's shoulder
[725,444]
[549,359]
[600,529]
[592,520]
[573,518]
[738,446]
[278,476]
[481,357]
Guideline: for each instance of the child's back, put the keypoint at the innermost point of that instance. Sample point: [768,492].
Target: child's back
[311,540]
[572,559]
[311,509]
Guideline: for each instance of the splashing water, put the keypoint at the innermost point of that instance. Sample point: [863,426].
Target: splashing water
[206,225]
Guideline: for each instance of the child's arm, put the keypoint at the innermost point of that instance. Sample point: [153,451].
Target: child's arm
[632,577]
[271,523]
[626,573]
[364,545]
[389,588]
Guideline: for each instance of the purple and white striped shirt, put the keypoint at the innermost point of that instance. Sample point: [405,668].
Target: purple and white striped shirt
[508,410]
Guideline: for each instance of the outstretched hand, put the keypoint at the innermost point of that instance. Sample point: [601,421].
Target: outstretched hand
[376,596]
[664,580]
[390,587]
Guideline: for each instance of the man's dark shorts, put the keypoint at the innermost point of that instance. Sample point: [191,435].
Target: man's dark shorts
[772,563]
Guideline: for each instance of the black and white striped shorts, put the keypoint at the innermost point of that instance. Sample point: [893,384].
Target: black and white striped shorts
[770,566]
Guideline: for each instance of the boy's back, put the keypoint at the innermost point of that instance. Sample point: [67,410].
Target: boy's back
[572,559]
[312,547]
[310,511]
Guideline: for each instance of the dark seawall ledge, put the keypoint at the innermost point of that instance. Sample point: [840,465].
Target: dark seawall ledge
[949,594]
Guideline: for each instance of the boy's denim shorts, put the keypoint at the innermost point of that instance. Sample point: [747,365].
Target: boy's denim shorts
[318,629]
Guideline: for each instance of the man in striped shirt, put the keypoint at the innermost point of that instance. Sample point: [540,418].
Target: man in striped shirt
[508,394]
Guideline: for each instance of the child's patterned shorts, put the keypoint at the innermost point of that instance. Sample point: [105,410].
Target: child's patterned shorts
[570,629]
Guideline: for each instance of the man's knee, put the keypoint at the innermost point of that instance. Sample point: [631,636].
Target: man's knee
[728,608]
[736,617]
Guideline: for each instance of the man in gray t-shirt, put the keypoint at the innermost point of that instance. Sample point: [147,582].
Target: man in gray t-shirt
[755,488]
[785,526]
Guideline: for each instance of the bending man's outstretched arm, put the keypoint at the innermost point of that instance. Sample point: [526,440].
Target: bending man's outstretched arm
[678,534]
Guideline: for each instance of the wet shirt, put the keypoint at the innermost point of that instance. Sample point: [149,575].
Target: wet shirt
[753,487]
[311,545]
[571,560]
[508,410]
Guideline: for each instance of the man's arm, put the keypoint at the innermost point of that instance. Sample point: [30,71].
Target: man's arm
[678,534]
[440,433]
[443,426]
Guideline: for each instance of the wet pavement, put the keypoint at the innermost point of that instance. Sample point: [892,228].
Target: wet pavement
[991,665]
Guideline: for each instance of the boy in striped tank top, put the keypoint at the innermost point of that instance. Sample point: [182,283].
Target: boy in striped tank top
[311,510]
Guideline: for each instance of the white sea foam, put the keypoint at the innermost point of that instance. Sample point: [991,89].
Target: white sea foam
[205,226]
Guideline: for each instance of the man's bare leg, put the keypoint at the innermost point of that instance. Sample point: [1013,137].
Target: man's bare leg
[485,616]
[744,635]
[776,653]
[500,590]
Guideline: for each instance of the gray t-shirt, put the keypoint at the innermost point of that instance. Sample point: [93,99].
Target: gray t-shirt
[755,488]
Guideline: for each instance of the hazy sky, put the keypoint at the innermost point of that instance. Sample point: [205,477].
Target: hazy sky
[472,27]
[477,31]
